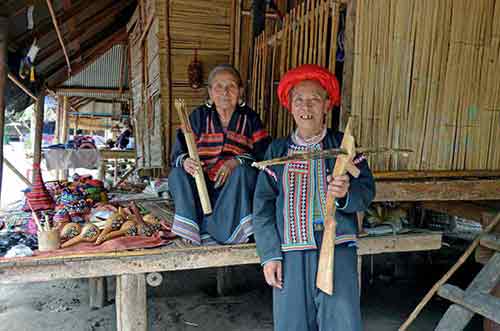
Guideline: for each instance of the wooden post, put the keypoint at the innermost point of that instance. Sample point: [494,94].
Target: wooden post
[3,77]
[224,280]
[98,292]
[64,129]
[131,303]
[37,141]
[57,130]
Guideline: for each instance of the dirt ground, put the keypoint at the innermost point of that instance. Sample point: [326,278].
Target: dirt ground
[187,300]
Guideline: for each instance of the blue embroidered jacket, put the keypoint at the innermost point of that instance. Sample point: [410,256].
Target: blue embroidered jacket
[245,138]
[290,198]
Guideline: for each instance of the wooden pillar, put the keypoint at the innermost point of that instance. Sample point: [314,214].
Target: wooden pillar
[131,303]
[98,292]
[64,129]
[57,130]
[3,84]
[224,280]
[37,141]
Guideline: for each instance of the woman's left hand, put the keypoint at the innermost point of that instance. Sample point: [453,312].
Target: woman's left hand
[338,186]
[225,171]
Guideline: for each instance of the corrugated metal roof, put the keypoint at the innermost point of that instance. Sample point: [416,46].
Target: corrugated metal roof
[103,72]
[117,96]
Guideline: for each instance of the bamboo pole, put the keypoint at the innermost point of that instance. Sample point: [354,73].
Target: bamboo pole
[21,86]
[193,153]
[59,36]
[4,21]
[301,21]
[16,172]
[37,141]
[237,41]
[306,44]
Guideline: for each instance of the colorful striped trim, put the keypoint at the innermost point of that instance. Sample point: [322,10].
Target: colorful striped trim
[233,149]
[208,240]
[339,240]
[210,138]
[180,159]
[186,228]
[242,231]
[297,247]
[239,139]
[271,259]
[345,238]
[259,135]
[359,158]
[209,151]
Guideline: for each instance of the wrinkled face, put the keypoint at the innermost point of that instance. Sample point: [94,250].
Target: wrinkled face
[224,91]
[309,105]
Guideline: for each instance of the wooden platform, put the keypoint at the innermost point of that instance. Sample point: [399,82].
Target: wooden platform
[131,267]
[24,270]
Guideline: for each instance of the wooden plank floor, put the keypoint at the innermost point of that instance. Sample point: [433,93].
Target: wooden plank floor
[22,270]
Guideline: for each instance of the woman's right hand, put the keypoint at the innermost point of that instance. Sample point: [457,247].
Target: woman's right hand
[191,166]
[274,274]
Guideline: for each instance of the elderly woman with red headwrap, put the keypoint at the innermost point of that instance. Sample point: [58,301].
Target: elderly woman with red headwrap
[289,209]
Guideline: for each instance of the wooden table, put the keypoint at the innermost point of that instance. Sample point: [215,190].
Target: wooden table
[131,267]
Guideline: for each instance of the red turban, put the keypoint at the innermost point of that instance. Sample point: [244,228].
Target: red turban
[309,72]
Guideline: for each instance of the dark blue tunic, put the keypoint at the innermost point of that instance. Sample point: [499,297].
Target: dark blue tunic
[244,139]
[289,200]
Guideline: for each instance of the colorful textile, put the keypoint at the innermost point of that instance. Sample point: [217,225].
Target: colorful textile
[231,218]
[39,198]
[309,72]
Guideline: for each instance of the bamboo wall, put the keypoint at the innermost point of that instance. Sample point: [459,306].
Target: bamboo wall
[308,34]
[159,65]
[426,77]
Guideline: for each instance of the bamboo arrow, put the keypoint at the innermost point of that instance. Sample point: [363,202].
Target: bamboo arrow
[325,154]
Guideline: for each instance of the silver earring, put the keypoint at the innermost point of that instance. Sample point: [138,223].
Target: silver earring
[209,103]
[242,103]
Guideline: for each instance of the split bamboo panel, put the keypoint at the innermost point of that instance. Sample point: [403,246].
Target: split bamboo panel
[308,34]
[426,77]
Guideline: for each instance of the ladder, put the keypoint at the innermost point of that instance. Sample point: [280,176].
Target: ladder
[477,298]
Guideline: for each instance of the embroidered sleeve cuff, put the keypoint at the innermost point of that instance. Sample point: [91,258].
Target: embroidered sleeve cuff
[342,203]
[180,159]
[279,258]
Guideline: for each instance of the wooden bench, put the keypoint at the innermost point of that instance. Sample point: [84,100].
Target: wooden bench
[131,267]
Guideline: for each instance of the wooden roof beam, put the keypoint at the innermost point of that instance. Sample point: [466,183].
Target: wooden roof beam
[44,27]
[89,56]
[86,102]
[59,36]
[86,30]
[72,23]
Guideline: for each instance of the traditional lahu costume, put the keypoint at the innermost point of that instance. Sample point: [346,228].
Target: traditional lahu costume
[289,209]
[244,139]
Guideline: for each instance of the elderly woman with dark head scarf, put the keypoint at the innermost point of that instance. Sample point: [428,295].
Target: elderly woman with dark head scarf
[290,207]
[229,137]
